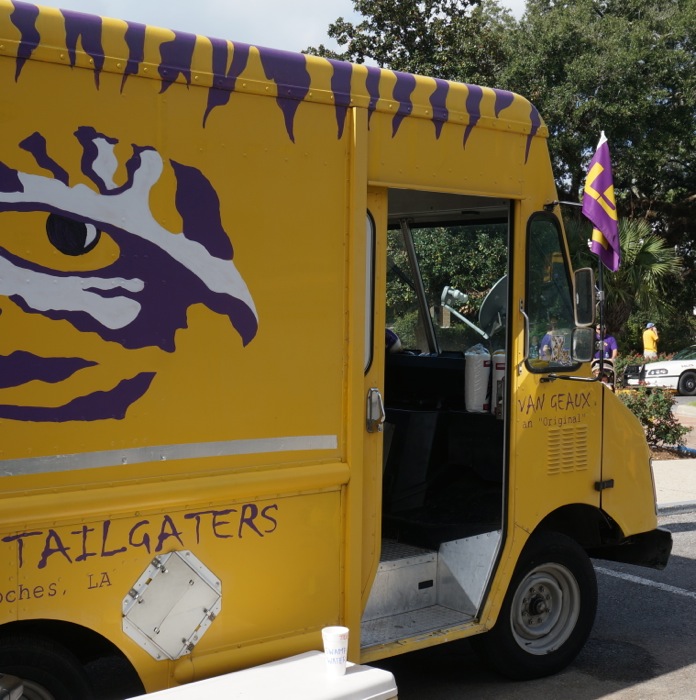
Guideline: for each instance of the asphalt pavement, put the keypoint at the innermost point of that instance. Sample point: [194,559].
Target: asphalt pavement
[675,479]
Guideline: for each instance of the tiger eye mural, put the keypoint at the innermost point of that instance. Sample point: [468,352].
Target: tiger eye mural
[140,299]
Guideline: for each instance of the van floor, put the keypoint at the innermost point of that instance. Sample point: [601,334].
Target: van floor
[395,627]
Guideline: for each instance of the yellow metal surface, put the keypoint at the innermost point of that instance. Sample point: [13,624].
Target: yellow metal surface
[197,380]
[626,460]
[557,436]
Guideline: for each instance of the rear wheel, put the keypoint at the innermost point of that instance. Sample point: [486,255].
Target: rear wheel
[48,670]
[687,384]
[548,611]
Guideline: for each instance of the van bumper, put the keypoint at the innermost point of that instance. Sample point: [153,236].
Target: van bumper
[650,549]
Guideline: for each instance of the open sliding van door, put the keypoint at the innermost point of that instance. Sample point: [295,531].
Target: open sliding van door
[444,391]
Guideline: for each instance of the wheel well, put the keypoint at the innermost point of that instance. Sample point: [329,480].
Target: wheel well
[84,643]
[96,653]
[587,525]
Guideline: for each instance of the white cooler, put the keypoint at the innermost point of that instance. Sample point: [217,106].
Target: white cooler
[301,677]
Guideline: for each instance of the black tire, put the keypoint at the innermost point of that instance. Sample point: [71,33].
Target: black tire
[687,384]
[548,611]
[49,671]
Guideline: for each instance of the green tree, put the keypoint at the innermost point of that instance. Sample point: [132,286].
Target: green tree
[626,67]
[637,291]
[469,258]
[461,40]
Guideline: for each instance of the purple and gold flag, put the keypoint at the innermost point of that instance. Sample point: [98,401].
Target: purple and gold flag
[599,206]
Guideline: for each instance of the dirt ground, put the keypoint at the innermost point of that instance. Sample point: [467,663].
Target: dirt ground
[661,453]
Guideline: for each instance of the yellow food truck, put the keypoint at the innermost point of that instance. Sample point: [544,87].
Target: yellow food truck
[288,343]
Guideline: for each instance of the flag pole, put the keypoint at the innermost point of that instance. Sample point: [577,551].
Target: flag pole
[601,320]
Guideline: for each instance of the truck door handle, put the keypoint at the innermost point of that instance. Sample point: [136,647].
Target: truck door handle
[375,411]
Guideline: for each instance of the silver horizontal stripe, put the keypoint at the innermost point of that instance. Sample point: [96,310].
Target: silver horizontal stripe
[163,453]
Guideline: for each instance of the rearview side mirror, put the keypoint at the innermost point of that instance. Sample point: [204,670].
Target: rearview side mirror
[584,289]
[583,344]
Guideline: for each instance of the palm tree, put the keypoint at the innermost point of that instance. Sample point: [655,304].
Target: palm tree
[647,263]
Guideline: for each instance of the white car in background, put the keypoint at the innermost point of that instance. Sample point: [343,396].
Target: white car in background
[678,373]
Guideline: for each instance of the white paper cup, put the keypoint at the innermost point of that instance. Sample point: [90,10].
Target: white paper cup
[335,649]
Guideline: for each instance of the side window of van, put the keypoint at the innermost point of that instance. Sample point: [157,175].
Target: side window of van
[369,288]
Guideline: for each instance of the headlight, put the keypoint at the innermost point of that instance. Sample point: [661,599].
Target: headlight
[656,372]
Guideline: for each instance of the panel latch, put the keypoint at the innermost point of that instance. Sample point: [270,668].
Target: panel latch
[375,411]
[603,485]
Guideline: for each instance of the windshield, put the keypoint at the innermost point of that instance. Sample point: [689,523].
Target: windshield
[686,354]
[549,298]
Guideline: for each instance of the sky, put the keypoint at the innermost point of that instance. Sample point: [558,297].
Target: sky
[279,24]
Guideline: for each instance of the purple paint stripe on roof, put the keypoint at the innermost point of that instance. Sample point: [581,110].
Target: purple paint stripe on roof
[87,28]
[176,58]
[372,84]
[223,85]
[340,87]
[535,119]
[405,85]
[24,18]
[21,367]
[135,41]
[473,108]
[289,72]
[36,145]
[503,99]
[225,81]
[438,103]
[220,53]
[100,405]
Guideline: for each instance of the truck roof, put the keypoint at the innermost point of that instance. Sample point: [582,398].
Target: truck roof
[225,67]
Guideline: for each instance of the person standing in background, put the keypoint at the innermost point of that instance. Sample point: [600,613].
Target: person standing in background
[650,338]
[609,348]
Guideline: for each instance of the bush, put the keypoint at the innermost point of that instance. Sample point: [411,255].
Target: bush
[653,407]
